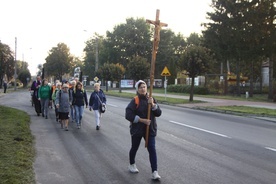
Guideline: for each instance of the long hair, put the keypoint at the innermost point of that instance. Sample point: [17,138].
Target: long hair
[76,87]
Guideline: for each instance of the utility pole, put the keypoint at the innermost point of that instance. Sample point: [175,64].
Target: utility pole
[15,67]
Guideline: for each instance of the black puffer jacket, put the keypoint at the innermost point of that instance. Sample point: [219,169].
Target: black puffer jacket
[133,113]
[79,97]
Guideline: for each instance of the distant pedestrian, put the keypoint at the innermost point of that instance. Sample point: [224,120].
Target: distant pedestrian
[63,102]
[79,99]
[35,86]
[72,86]
[5,86]
[136,113]
[54,96]
[96,99]
[45,96]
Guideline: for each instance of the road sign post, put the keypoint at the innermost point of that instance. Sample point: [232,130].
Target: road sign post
[165,73]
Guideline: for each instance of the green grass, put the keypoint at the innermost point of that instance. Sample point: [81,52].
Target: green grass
[246,110]
[256,97]
[160,99]
[16,145]
[233,109]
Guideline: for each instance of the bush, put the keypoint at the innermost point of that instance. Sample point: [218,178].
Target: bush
[179,88]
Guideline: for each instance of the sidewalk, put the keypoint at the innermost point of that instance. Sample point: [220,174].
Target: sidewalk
[214,102]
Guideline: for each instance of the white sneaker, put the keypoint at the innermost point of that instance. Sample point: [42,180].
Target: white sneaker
[155,176]
[132,168]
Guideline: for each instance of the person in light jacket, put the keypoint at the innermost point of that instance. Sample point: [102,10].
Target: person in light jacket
[63,102]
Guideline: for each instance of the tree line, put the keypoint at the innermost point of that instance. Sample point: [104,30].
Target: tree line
[240,33]
[7,67]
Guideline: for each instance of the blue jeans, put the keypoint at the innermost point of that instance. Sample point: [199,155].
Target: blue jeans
[73,112]
[79,113]
[135,143]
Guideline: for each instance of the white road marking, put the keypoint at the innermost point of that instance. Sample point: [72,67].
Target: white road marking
[196,128]
[112,105]
[272,149]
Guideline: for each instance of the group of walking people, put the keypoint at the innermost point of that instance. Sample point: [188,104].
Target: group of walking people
[69,100]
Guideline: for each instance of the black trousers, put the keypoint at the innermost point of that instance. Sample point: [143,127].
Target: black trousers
[37,104]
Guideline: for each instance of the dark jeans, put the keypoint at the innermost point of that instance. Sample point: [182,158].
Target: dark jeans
[135,143]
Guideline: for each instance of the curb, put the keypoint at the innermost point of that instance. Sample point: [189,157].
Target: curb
[261,117]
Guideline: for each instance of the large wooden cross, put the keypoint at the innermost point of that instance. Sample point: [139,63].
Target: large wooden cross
[158,26]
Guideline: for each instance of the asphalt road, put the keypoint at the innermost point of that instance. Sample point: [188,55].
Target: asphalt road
[193,147]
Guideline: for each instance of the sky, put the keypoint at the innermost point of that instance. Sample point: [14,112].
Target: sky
[40,25]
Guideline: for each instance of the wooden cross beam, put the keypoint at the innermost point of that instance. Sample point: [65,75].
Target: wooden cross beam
[158,26]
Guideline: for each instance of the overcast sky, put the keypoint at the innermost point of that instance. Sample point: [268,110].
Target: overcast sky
[40,25]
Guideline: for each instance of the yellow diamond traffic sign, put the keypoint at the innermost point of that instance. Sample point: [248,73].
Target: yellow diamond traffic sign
[165,72]
[96,79]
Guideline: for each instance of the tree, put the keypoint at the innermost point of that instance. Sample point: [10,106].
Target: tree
[241,31]
[89,63]
[111,72]
[138,68]
[129,40]
[24,76]
[6,62]
[59,61]
[170,47]
[195,61]
[118,71]
[39,67]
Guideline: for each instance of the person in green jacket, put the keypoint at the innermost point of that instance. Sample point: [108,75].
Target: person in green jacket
[44,96]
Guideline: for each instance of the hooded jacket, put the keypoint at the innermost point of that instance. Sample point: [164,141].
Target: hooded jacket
[134,112]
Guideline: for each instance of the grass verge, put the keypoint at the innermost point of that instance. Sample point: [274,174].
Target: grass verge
[16,145]
[247,110]
[234,109]
[160,99]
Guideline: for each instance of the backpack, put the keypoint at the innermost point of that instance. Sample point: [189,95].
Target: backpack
[136,99]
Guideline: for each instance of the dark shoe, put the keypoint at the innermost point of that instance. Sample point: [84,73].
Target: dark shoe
[42,114]
[56,119]
[46,117]
[97,127]
[38,114]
